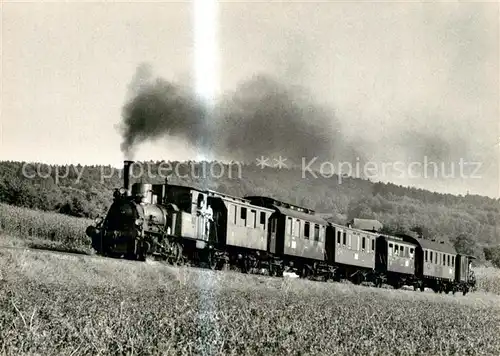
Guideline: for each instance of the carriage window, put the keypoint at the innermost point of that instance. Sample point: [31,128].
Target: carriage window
[253,219]
[426,259]
[243,213]
[306,230]
[289,222]
[391,249]
[430,256]
[363,243]
[344,239]
[263,219]
[444,259]
[448,260]
[401,250]
[296,229]
[396,250]
[412,251]
[185,202]
[316,232]
[373,244]
[322,236]
[201,200]
[338,237]
[436,256]
[452,261]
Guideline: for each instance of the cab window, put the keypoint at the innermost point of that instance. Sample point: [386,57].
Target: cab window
[263,219]
[253,219]
[232,212]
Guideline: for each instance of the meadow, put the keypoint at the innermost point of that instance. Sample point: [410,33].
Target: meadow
[34,228]
[61,304]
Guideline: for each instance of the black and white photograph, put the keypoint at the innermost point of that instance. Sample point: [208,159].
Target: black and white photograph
[222,177]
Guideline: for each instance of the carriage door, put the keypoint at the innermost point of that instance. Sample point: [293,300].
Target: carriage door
[202,216]
[273,224]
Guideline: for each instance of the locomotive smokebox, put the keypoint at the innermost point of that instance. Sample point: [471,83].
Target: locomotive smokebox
[126,175]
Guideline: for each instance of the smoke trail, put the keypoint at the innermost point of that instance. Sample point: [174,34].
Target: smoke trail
[261,117]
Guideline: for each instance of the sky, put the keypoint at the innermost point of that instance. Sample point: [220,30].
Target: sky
[403,78]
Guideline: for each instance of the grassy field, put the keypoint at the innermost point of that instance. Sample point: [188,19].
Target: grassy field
[26,227]
[76,305]
[488,279]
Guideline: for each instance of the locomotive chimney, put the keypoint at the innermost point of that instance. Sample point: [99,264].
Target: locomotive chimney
[126,175]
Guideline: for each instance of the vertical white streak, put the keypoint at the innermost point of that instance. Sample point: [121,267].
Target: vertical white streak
[205,49]
[206,86]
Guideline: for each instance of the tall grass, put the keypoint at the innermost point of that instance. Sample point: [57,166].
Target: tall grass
[53,304]
[488,279]
[50,228]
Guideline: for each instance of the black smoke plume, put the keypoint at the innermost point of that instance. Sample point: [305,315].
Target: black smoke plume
[261,117]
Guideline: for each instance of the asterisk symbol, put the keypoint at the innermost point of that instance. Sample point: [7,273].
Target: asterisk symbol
[263,162]
[280,162]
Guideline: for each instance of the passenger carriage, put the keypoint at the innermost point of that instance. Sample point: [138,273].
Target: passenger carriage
[351,252]
[296,237]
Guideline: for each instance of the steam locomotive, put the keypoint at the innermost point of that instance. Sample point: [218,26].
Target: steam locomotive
[258,234]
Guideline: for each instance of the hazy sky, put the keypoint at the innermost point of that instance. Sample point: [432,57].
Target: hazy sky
[389,71]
